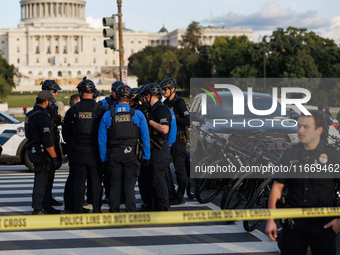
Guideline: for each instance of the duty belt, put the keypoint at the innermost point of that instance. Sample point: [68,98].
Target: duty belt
[122,146]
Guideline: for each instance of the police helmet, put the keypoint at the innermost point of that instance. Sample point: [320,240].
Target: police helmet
[124,91]
[116,84]
[86,86]
[152,89]
[168,83]
[95,93]
[50,85]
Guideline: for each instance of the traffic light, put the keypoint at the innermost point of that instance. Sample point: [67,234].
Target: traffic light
[110,32]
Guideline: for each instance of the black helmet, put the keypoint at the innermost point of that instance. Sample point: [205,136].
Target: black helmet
[86,86]
[168,83]
[116,84]
[50,85]
[124,91]
[95,93]
[152,89]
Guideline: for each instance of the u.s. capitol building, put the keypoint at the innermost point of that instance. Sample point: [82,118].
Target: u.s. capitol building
[54,41]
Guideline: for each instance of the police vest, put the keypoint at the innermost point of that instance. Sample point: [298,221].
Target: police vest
[33,135]
[173,101]
[123,131]
[85,120]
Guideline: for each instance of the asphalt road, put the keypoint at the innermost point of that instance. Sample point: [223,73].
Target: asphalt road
[16,183]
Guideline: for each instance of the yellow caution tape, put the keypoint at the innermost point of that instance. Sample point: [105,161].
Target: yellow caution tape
[62,221]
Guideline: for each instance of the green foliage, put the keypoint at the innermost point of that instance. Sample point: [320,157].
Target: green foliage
[193,57]
[228,53]
[6,78]
[150,64]
[291,53]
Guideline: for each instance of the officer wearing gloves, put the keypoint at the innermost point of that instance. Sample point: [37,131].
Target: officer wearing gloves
[80,131]
[119,136]
[52,86]
[178,150]
[111,100]
[41,151]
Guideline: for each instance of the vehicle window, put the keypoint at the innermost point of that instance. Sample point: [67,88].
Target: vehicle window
[199,109]
[215,111]
[2,119]
[193,106]
[197,104]
[8,119]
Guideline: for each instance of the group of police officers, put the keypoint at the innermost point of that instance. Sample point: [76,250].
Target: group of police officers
[127,136]
[132,135]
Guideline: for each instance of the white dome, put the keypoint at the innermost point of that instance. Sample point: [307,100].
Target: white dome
[54,13]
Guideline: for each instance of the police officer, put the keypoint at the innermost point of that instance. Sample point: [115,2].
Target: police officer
[307,191]
[39,128]
[52,86]
[80,130]
[159,119]
[178,149]
[111,100]
[121,129]
[145,177]
[68,192]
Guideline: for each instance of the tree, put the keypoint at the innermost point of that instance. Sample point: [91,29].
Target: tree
[193,57]
[6,78]
[149,61]
[228,53]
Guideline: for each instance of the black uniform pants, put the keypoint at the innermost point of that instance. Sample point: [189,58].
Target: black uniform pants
[42,189]
[158,166]
[178,152]
[86,159]
[68,192]
[306,232]
[126,167]
[145,189]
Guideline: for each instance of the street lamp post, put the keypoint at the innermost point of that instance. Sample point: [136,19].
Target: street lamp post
[120,29]
[263,41]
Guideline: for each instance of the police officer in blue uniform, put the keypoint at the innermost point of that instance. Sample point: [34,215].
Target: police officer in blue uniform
[111,100]
[52,86]
[159,119]
[307,189]
[80,130]
[119,134]
[39,128]
[178,150]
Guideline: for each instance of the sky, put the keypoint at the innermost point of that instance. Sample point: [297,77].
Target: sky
[263,16]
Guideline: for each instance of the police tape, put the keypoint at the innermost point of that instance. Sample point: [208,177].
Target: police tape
[63,221]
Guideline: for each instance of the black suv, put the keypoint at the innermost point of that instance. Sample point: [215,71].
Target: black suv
[220,119]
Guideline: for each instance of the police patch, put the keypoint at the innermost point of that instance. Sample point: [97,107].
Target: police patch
[122,118]
[163,120]
[323,158]
[85,115]
[46,130]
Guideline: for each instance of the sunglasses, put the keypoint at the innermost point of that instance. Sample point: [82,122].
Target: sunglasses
[54,91]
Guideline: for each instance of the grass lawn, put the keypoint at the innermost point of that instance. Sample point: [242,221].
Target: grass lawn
[29,100]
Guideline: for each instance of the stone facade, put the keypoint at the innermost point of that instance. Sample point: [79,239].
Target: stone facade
[54,41]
